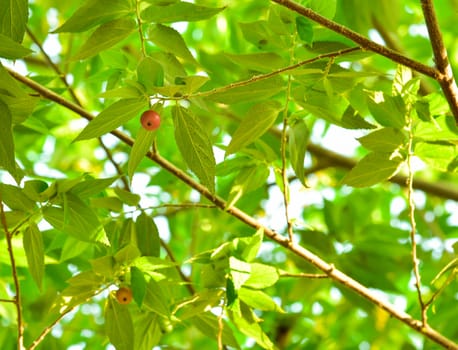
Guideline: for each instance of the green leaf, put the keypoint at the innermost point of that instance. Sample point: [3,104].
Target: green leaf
[195,146]
[33,189]
[239,271]
[148,240]
[156,300]
[142,145]
[76,219]
[104,266]
[209,325]
[199,303]
[169,40]
[372,169]
[13,19]
[118,324]
[178,12]
[304,28]
[330,108]
[385,140]
[106,36]
[326,8]
[138,282]
[90,187]
[74,247]
[249,179]
[402,77]
[259,90]
[93,13]
[127,197]
[127,254]
[351,119]
[442,128]
[256,122]
[262,276]
[10,49]
[297,142]
[261,61]
[82,287]
[112,117]
[244,322]
[150,264]
[248,247]
[15,199]
[439,155]
[150,73]
[388,112]
[147,330]
[7,159]
[34,251]
[190,84]
[258,300]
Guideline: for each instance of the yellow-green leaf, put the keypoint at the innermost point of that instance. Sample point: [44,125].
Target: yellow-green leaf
[256,122]
[195,146]
[118,325]
[106,36]
[34,251]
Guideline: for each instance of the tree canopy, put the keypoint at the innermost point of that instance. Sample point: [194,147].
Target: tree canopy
[292,184]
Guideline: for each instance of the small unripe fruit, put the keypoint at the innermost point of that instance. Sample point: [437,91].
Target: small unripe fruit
[124,295]
[151,120]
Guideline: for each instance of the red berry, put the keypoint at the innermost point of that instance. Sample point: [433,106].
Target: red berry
[150,120]
[124,295]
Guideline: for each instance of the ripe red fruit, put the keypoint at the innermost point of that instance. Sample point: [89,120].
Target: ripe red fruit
[151,120]
[124,295]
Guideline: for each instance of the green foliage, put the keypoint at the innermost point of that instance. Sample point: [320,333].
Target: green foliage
[195,217]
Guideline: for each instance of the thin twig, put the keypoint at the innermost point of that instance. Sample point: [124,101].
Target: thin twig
[8,301]
[445,79]
[185,278]
[17,287]
[283,143]
[220,329]
[413,225]
[240,215]
[257,78]
[304,275]
[449,279]
[140,28]
[49,328]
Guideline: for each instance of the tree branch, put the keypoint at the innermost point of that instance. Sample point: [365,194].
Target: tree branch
[17,287]
[302,252]
[364,42]
[443,73]
[445,78]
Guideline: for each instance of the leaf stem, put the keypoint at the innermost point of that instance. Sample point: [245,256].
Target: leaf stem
[304,275]
[260,77]
[140,28]
[413,225]
[283,143]
[49,328]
